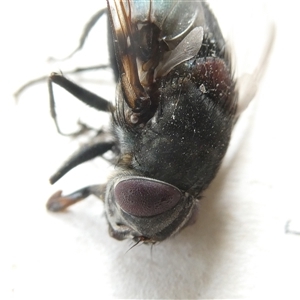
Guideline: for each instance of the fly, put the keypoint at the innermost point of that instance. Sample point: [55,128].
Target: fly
[176,104]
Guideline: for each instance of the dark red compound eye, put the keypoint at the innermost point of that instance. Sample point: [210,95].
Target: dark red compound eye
[144,197]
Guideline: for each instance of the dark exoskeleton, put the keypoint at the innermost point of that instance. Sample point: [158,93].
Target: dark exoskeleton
[174,112]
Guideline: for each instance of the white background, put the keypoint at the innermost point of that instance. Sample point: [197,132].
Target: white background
[238,247]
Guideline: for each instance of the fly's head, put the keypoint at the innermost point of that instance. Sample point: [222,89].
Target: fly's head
[145,209]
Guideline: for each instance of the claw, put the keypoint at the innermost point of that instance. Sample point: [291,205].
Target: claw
[57,202]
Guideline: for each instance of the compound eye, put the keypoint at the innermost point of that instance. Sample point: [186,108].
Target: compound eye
[144,197]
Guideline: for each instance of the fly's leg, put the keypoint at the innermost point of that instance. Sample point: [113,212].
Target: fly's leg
[80,93]
[88,27]
[84,154]
[44,78]
[57,202]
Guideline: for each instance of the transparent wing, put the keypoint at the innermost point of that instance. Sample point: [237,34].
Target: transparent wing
[250,34]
